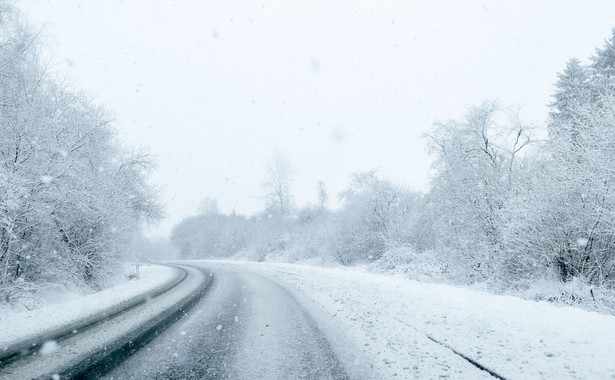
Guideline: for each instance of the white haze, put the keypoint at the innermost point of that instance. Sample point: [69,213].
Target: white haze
[213,89]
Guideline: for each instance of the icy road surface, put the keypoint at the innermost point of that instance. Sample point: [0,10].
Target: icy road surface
[247,327]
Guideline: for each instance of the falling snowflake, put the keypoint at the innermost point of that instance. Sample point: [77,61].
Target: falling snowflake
[49,348]
[582,242]
[47,179]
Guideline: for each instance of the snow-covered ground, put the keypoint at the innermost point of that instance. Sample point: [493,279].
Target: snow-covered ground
[395,322]
[55,293]
[84,348]
[406,328]
[25,326]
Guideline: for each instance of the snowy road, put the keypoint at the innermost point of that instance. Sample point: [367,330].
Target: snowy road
[79,353]
[246,327]
[285,321]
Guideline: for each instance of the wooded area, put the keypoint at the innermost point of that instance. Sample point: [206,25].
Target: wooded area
[70,196]
[505,208]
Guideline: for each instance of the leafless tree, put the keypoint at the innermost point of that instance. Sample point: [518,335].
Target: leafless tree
[276,186]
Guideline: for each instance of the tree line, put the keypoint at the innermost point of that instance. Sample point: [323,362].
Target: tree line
[504,207]
[70,195]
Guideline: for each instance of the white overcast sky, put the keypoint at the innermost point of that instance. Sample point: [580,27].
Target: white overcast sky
[214,88]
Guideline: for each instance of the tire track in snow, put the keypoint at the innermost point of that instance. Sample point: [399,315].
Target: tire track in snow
[466,358]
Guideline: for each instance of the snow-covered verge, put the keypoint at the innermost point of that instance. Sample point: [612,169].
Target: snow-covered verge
[395,321]
[431,267]
[45,294]
[29,325]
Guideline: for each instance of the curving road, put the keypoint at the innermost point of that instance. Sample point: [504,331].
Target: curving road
[246,327]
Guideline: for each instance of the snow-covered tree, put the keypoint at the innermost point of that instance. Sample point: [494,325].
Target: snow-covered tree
[375,217]
[276,185]
[70,196]
[212,234]
[603,63]
[476,163]
[564,222]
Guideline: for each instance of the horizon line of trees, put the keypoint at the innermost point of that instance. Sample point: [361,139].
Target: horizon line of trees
[503,208]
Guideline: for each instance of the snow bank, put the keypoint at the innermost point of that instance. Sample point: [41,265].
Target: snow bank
[31,325]
[395,321]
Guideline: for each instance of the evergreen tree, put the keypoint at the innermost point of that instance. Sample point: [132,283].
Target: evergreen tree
[603,62]
[571,89]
